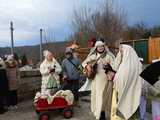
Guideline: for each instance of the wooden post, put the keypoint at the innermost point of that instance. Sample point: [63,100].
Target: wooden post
[12,40]
[41,56]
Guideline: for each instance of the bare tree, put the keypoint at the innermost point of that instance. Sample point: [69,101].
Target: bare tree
[108,21]
[49,38]
[140,30]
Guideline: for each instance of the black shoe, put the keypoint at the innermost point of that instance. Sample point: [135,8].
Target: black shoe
[3,111]
[102,117]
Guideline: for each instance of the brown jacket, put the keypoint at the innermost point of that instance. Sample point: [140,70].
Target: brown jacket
[12,75]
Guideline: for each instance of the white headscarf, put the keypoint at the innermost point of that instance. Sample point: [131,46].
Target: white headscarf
[97,44]
[128,82]
[46,53]
[10,57]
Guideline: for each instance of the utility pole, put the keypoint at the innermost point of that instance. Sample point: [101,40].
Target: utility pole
[12,41]
[41,45]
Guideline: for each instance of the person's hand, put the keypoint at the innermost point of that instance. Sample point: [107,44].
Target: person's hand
[64,77]
[89,68]
[52,70]
[110,75]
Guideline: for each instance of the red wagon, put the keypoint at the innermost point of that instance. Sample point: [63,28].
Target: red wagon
[42,107]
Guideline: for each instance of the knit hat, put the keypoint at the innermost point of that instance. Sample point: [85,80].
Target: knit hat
[99,43]
[68,50]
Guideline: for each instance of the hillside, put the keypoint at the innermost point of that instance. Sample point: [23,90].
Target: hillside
[32,52]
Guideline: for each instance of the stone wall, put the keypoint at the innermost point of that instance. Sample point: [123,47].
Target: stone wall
[29,84]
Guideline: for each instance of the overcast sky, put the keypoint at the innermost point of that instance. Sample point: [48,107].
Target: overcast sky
[55,16]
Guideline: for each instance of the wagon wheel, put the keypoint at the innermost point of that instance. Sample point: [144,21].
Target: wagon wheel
[44,116]
[67,113]
[37,111]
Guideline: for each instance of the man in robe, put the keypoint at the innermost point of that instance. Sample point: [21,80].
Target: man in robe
[127,84]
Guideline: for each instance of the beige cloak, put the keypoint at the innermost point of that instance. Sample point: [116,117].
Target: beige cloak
[128,83]
[99,98]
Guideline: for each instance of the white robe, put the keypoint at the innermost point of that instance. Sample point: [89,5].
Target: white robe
[98,83]
[128,83]
[86,86]
[44,69]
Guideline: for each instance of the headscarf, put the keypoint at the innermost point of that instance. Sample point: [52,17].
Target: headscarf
[100,43]
[10,57]
[46,53]
[11,62]
[93,50]
[128,83]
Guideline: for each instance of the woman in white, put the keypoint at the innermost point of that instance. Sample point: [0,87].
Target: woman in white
[49,68]
[100,81]
[127,84]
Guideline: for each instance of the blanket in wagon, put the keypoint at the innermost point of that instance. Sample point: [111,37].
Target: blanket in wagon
[66,94]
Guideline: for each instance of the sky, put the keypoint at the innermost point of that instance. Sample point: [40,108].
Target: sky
[54,17]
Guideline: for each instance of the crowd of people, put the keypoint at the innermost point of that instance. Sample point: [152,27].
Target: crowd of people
[118,93]
[115,83]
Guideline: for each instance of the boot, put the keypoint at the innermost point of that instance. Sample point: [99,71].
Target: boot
[102,117]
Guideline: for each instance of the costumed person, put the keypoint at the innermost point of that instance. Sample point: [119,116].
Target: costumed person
[92,46]
[3,85]
[87,84]
[154,94]
[50,70]
[74,46]
[127,84]
[12,75]
[143,102]
[101,90]
[71,73]
[151,91]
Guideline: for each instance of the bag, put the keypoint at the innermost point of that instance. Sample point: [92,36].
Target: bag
[74,64]
[91,74]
